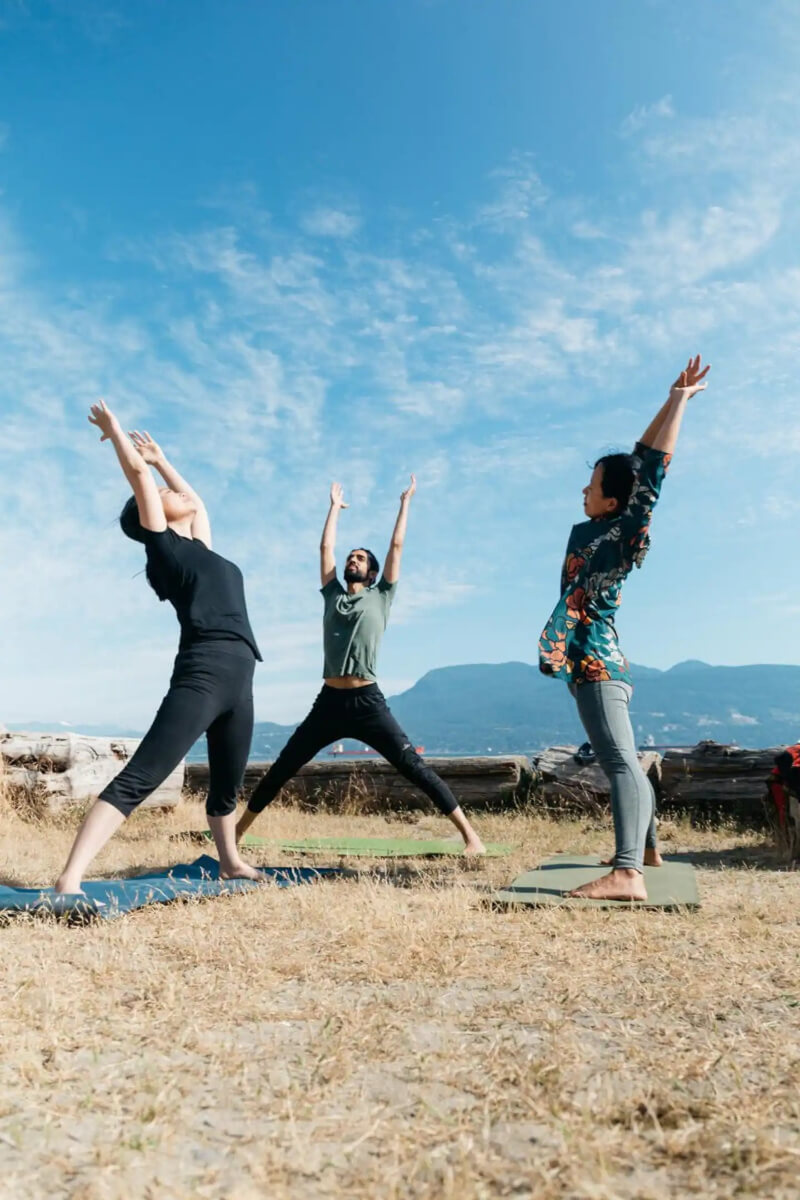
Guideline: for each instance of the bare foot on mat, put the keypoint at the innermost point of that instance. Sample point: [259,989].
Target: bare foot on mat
[241,870]
[617,885]
[67,885]
[474,847]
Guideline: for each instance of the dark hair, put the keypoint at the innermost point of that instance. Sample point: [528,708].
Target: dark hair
[132,527]
[374,565]
[129,521]
[619,476]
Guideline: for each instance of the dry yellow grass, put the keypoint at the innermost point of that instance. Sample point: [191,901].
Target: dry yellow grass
[390,1036]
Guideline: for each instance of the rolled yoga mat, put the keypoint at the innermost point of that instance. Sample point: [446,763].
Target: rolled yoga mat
[356,847]
[109,898]
[669,887]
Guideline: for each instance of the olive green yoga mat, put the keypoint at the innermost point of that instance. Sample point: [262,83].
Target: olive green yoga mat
[672,886]
[356,847]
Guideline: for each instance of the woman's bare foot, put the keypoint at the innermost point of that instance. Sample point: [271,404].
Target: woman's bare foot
[652,858]
[619,884]
[240,870]
[473,847]
[68,885]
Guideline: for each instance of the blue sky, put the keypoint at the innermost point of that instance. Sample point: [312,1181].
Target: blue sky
[350,240]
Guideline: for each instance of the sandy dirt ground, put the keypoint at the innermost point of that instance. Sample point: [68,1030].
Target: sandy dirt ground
[391,1035]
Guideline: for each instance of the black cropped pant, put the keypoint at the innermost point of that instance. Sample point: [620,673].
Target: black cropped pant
[360,713]
[211,693]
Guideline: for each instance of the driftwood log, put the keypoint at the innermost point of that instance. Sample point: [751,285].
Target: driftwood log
[714,782]
[567,786]
[479,783]
[710,782]
[70,768]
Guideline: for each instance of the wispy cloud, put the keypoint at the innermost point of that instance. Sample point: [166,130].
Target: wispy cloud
[645,114]
[519,193]
[331,223]
[494,352]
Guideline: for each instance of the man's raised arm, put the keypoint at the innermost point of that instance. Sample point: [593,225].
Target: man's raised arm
[391,570]
[327,547]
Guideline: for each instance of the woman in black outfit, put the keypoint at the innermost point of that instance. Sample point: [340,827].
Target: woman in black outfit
[211,690]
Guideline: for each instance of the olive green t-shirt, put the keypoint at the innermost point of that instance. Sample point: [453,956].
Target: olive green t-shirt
[353,627]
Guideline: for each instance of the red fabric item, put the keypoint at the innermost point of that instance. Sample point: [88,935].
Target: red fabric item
[782,802]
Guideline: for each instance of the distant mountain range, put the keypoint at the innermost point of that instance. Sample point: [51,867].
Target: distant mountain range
[513,708]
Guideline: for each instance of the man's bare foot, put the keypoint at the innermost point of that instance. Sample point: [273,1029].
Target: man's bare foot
[652,858]
[619,884]
[474,847]
[67,885]
[240,870]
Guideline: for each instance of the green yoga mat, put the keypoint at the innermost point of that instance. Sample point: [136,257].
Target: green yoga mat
[371,847]
[669,887]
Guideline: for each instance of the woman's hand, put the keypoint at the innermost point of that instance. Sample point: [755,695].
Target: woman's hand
[688,382]
[409,492]
[337,496]
[150,451]
[104,419]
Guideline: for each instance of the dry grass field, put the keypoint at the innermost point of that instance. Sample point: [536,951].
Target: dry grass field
[389,1035]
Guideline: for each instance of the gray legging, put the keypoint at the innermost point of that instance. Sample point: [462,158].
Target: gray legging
[603,710]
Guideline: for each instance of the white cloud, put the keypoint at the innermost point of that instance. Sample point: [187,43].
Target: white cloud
[738,718]
[423,594]
[270,360]
[331,223]
[645,114]
[432,401]
[519,193]
[693,243]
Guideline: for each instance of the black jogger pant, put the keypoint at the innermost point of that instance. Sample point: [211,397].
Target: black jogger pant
[211,693]
[360,713]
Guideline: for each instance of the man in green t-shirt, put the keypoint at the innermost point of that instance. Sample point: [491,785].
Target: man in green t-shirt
[351,704]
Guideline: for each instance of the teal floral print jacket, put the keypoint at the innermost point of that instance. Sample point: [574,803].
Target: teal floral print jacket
[579,643]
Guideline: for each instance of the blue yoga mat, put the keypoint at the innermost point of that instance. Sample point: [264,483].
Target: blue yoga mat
[109,898]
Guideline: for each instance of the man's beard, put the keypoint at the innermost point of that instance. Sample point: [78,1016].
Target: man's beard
[354,575]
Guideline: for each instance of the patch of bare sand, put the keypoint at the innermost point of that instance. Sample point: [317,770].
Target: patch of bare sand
[391,1036]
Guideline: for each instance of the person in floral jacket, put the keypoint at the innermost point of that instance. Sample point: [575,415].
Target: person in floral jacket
[579,644]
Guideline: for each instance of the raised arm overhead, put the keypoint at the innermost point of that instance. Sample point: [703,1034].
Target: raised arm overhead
[152,454]
[327,547]
[134,467]
[662,432]
[391,570]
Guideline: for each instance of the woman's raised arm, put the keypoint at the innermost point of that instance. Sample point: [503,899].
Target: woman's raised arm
[134,467]
[662,432]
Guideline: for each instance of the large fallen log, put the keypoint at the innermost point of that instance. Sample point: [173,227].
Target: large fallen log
[70,768]
[479,783]
[715,782]
[709,782]
[567,786]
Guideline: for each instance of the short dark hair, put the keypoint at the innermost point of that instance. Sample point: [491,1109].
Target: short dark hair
[132,527]
[374,565]
[618,478]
